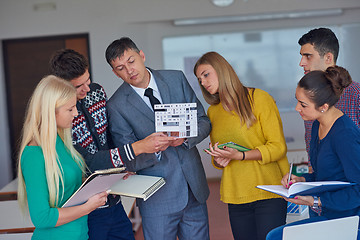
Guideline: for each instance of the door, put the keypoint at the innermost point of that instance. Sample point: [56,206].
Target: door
[26,63]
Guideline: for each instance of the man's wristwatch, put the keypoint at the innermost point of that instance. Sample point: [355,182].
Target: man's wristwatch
[316,203]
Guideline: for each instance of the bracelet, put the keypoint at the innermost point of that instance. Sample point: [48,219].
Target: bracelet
[243,156]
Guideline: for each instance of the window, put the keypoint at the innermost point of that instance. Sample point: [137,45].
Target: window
[268,60]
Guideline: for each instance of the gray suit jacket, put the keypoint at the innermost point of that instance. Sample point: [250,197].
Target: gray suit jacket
[132,120]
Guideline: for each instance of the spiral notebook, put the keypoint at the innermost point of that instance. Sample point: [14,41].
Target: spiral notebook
[137,186]
[141,186]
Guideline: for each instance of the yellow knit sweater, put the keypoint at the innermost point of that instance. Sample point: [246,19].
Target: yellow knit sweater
[240,178]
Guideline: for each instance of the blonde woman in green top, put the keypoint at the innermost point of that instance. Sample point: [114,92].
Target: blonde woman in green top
[50,169]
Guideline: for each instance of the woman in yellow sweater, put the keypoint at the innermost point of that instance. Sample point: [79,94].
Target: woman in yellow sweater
[249,117]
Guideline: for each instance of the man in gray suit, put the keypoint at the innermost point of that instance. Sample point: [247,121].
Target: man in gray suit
[179,208]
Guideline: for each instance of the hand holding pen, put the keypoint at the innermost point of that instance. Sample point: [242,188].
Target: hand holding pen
[290,179]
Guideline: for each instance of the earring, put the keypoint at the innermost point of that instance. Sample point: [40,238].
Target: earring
[322,111]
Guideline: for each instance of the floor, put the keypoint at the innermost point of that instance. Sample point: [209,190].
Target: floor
[218,216]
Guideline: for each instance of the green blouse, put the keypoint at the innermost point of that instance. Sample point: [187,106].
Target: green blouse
[42,215]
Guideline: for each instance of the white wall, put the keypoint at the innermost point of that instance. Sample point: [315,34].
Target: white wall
[147,22]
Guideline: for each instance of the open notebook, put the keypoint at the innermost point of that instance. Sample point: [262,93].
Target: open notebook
[305,188]
[138,186]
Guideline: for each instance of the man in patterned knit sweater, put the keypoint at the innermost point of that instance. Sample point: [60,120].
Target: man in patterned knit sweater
[92,140]
[319,50]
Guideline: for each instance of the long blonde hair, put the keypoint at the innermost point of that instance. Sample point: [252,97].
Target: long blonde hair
[40,127]
[233,95]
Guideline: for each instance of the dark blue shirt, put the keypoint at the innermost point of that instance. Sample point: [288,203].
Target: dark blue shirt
[336,157]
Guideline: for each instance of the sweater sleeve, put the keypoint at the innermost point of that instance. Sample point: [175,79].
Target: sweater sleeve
[104,159]
[33,169]
[347,147]
[268,116]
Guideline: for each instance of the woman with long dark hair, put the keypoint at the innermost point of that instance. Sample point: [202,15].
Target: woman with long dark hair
[334,147]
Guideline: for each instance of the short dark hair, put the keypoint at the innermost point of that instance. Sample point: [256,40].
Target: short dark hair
[323,39]
[117,48]
[325,86]
[68,64]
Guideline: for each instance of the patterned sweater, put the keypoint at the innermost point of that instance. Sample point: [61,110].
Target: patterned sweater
[91,136]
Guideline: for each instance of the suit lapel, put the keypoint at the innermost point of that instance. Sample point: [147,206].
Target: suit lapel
[162,86]
[135,101]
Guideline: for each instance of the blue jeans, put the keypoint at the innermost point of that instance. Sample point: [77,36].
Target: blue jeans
[109,224]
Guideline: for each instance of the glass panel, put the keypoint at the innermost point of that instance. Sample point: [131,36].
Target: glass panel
[264,59]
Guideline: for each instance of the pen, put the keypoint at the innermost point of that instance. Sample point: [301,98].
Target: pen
[290,171]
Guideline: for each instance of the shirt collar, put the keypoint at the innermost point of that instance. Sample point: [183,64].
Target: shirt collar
[152,84]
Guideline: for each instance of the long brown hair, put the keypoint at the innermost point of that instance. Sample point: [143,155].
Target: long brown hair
[233,95]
